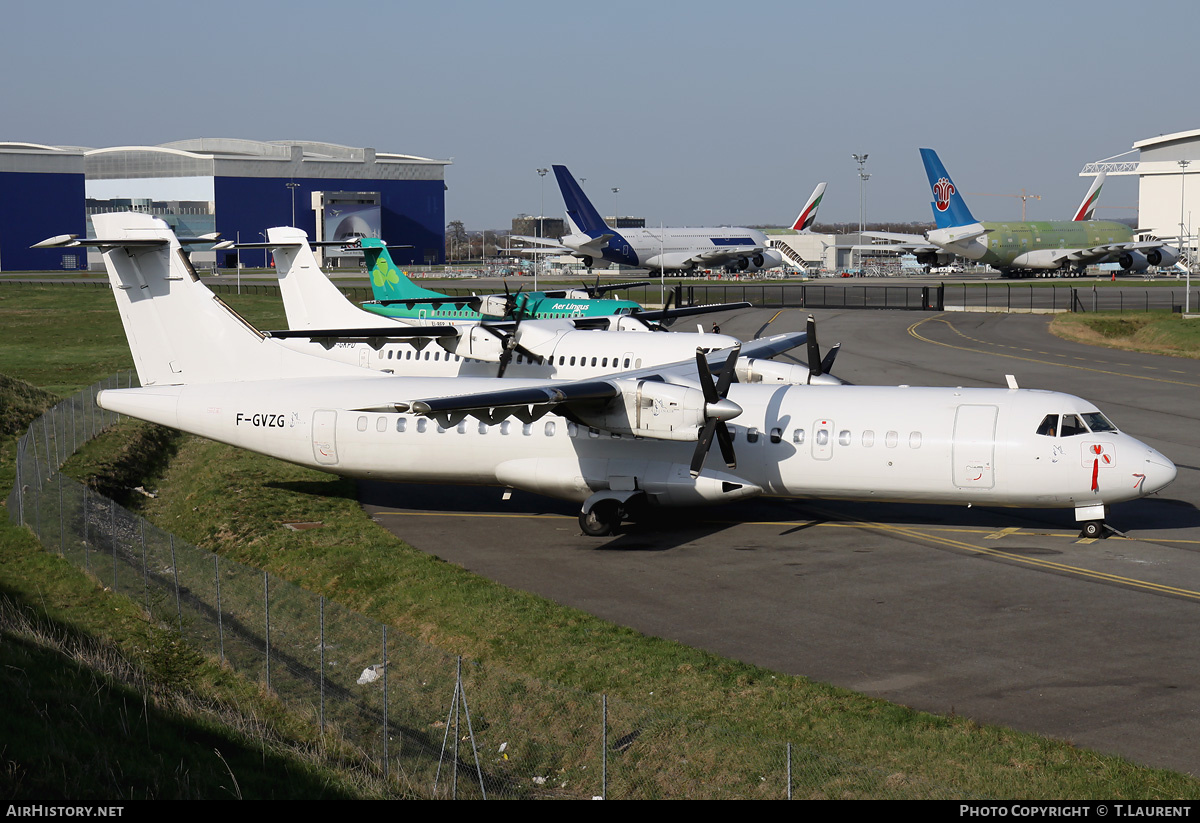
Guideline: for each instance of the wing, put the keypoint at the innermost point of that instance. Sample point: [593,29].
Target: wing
[912,243]
[717,256]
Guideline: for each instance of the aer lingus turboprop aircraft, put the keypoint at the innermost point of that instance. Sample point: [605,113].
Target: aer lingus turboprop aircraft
[322,321]
[614,443]
[398,296]
[1023,248]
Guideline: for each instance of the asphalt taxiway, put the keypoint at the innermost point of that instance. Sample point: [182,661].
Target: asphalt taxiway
[1002,615]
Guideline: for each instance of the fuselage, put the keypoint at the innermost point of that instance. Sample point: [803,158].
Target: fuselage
[677,249]
[1034,244]
[531,305]
[558,354]
[979,446]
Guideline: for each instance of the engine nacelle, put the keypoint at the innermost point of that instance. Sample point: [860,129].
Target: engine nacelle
[1162,256]
[652,409]
[1133,261]
[1044,259]
[477,343]
[494,305]
[753,370]
[671,261]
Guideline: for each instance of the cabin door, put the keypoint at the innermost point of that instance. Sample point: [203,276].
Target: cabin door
[974,450]
[324,437]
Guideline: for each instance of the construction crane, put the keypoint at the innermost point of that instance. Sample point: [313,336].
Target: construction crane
[1022,195]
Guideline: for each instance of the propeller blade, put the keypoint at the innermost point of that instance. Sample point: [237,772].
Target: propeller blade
[703,444]
[814,349]
[827,363]
[728,371]
[725,441]
[717,410]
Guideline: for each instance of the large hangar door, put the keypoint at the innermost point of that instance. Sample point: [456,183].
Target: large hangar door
[974,449]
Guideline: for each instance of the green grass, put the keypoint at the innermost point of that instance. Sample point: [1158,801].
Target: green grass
[236,503]
[1154,332]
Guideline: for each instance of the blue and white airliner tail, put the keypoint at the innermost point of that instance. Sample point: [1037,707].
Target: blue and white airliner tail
[583,214]
[949,208]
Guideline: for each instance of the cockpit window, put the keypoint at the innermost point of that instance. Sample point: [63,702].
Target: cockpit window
[1048,426]
[1098,422]
[1071,426]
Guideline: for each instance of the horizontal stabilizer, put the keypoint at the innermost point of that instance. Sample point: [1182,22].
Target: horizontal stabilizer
[397,331]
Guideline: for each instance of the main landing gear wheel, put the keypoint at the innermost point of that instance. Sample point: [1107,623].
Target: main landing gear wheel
[601,519]
[1093,529]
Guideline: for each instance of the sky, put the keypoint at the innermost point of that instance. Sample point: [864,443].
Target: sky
[702,113]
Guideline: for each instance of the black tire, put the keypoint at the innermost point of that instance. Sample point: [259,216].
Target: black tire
[1093,529]
[601,519]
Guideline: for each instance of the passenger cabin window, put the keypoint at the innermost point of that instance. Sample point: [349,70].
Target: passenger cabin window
[381,424]
[362,424]
[550,428]
[798,436]
[776,435]
[401,424]
[868,438]
[914,440]
[752,435]
[844,437]
[1049,426]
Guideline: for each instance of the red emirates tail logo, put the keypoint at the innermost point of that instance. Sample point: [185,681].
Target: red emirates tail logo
[942,191]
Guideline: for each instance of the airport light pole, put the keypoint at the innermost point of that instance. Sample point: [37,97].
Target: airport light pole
[616,210]
[293,185]
[863,177]
[539,262]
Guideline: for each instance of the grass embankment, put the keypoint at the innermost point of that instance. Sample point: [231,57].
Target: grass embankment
[102,705]
[1156,332]
[236,503]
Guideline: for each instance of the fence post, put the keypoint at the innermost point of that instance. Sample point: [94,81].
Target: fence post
[145,565]
[220,618]
[175,574]
[267,620]
[386,666]
[789,770]
[604,746]
[321,623]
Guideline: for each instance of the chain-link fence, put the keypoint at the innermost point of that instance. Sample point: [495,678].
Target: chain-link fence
[439,726]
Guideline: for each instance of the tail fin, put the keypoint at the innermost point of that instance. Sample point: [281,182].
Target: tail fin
[580,210]
[310,300]
[1087,209]
[949,208]
[180,332]
[808,214]
[387,281]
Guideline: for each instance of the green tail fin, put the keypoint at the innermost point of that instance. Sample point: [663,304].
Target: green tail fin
[387,281]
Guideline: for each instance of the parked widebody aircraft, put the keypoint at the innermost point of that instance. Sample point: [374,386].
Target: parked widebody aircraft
[613,443]
[322,321]
[1024,248]
[668,249]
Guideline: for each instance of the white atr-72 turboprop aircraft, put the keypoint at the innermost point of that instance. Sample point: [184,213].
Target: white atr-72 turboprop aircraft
[614,443]
[322,322]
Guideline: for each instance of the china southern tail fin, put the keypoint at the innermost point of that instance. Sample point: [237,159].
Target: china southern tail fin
[179,332]
[808,214]
[387,281]
[580,210]
[310,299]
[1087,209]
[949,208]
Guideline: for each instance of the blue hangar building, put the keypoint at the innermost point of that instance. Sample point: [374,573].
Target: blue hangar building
[239,188]
[41,195]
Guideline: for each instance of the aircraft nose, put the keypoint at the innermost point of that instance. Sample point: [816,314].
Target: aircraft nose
[1159,472]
